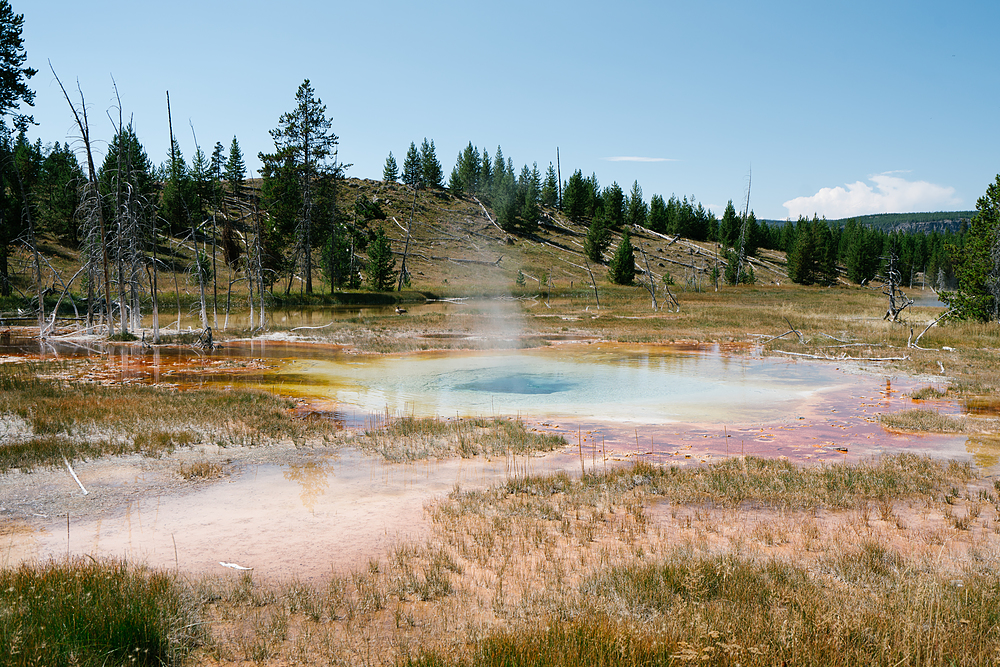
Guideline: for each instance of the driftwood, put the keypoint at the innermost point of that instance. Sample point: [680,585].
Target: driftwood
[916,344]
[790,330]
[487,214]
[843,357]
[70,468]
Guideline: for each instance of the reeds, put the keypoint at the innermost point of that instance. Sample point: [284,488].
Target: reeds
[415,438]
[84,420]
[89,612]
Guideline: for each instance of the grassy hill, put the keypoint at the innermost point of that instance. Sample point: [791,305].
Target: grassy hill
[456,249]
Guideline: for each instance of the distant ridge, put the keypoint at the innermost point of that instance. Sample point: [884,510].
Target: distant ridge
[939,221]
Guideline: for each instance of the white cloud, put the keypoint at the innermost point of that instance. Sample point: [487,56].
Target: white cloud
[890,194]
[638,159]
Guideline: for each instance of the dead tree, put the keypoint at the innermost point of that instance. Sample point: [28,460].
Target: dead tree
[593,283]
[650,283]
[890,287]
[743,233]
[92,201]
[403,273]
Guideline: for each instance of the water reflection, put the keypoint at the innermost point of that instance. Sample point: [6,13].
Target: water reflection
[311,476]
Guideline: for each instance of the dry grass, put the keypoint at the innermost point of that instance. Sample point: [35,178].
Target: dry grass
[653,566]
[925,420]
[748,561]
[200,470]
[411,438]
[57,418]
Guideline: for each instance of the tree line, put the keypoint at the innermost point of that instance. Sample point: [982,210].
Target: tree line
[130,219]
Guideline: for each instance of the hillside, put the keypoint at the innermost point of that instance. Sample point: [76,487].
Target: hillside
[456,249]
[455,245]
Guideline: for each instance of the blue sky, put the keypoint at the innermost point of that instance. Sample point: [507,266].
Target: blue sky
[838,108]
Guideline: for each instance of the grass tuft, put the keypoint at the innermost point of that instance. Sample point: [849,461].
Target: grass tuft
[90,612]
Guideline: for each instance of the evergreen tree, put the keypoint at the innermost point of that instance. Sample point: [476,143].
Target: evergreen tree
[613,201]
[236,170]
[413,171]
[58,194]
[528,196]
[977,262]
[390,173]
[592,193]
[499,167]
[751,241]
[802,260]
[505,204]
[430,166]
[732,269]
[201,181]
[305,142]
[550,188]
[465,174]
[218,161]
[381,264]
[337,250]
[621,269]
[179,207]
[13,77]
[636,210]
[729,227]
[485,172]
[707,225]
[234,173]
[575,196]
[657,218]
[864,251]
[282,199]
[597,241]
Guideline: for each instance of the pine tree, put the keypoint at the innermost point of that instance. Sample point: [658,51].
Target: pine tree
[485,172]
[613,200]
[575,196]
[58,194]
[657,218]
[305,142]
[621,269]
[390,174]
[729,227]
[636,210]
[236,170]
[550,188]
[430,166]
[499,167]
[597,241]
[381,264]
[218,161]
[413,171]
[178,205]
[977,266]
[527,186]
[201,179]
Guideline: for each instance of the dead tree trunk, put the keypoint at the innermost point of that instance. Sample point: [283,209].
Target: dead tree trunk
[403,273]
[651,280]
[890,287]
[593,283]
[92,189]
